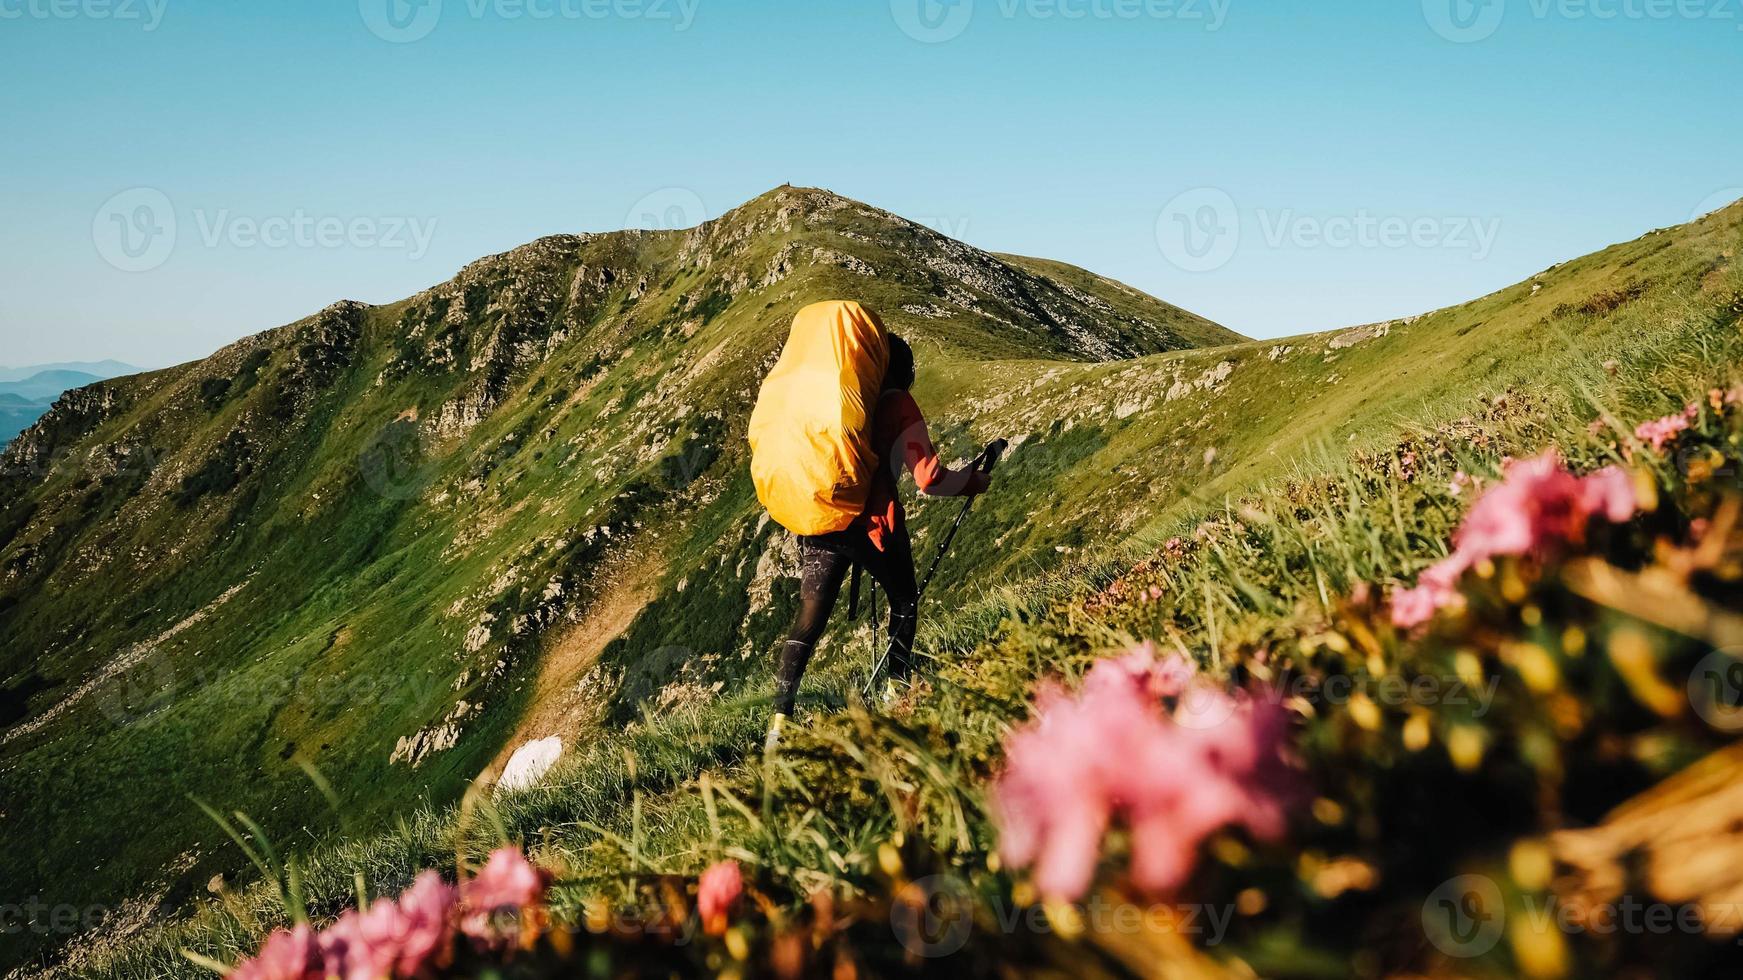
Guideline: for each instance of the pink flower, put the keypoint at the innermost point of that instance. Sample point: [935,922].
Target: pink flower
[717,893]
[1538,507]
[507,885]
[421,927]
[287,955]
[1610,494]
[1165,678]
[1111,753]
[1535,502]
[1660,431]
[1413,607]
[356,949]
[407,938]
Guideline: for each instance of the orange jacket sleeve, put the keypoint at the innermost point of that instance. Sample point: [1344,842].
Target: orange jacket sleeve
[914,444]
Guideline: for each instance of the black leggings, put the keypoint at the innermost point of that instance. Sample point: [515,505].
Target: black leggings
[824,562]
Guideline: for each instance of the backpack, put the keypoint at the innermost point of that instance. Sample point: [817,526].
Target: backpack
[810,434]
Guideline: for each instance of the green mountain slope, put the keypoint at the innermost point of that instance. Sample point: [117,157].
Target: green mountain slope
[396,542]
[376,539]
[1353,435]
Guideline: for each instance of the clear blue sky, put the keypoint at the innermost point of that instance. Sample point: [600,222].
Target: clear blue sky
[1061,128]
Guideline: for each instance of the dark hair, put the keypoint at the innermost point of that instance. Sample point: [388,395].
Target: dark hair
[900,373]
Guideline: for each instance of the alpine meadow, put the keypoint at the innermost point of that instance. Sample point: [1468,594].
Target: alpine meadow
[1257,657]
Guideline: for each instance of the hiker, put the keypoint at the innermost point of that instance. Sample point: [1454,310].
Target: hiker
[877,540]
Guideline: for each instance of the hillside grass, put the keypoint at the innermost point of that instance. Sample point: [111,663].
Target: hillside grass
[362,527]
[1303,500]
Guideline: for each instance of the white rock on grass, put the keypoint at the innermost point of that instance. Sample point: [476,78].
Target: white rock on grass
[529,764]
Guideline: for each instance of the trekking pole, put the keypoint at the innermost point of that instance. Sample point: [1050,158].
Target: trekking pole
[984,463]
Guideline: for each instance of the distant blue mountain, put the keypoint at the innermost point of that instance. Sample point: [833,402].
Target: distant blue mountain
[102,370]
[26,393]
[45,387]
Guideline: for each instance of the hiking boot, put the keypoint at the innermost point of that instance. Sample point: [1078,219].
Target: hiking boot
[772,740]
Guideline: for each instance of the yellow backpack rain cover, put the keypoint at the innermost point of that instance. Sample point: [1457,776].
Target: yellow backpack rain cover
[810,440]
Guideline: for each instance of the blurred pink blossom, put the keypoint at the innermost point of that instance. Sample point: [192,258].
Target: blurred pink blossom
[422,928]
[717,892]
[359,946]
[507,885]
[411,937]
[1537,507]
[1111,753]
[1166,677]
[1660,431]
[288,954]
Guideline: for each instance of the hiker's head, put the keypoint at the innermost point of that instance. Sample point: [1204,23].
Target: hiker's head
[900,373]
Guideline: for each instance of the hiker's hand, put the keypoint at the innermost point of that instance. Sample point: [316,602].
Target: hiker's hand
[978,483]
